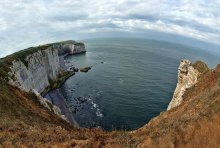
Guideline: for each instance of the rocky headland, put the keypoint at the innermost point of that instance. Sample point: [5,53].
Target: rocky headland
[41,69]
[187,77]
[27,119]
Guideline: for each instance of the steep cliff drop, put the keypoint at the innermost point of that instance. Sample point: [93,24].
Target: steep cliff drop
[194,120]
[44,69]
[187,77]
[39,68]
[28,120]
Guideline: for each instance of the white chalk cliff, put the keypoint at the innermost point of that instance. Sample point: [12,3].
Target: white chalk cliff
[47,104]
[42,66]
[187,77]
[35,69]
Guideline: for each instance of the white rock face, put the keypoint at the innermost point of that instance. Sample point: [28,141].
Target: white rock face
[75,49]
[187,77]
[42,67]
[70,49]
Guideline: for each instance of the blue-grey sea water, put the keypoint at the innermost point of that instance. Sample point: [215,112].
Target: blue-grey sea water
[131,81]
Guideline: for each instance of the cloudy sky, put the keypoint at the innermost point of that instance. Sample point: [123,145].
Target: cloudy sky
[24,23]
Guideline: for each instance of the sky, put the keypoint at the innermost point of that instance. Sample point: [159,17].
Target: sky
[25,23]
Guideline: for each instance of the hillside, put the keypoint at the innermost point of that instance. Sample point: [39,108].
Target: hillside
[193,123]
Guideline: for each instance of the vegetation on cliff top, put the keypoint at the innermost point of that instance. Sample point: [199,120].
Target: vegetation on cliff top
[201,66]
[6,62]
[69,42]
[24,122]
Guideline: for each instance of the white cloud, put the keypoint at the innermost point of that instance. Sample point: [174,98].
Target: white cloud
[24,22]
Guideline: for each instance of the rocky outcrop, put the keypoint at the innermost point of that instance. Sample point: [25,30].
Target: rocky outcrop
[85,69]
[70,48]
[187,77]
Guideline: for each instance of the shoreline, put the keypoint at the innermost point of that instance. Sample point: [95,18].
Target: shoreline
[53,94]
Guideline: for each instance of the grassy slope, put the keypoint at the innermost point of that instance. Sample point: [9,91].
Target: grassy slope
[195,123]
[25,122]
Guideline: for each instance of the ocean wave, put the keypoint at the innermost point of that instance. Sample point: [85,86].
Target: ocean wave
[96,108]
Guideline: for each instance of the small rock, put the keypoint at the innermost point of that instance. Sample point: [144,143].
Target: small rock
[85,69]
[76,69]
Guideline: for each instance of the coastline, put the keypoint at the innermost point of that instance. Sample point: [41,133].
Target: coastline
[53,94]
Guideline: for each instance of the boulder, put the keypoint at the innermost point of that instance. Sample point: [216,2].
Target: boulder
[85,69]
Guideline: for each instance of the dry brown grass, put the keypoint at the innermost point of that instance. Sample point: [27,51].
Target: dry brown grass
[195,123]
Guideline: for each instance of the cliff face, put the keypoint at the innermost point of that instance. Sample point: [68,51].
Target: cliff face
[70,48]
[194,122]
[43,66]
[187,77]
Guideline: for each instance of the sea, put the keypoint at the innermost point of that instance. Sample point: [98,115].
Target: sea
[131,81]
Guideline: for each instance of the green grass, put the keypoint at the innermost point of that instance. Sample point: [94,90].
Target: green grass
[21,55]
[79,44]
[58,82]
[6,62]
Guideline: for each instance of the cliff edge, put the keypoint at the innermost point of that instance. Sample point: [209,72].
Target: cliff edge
[192,119]
[187,77]
[39,69]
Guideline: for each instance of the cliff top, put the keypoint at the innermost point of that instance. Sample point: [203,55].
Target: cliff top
[6,62]
[67,42]
[24,122]
[22,54]
[201,66]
